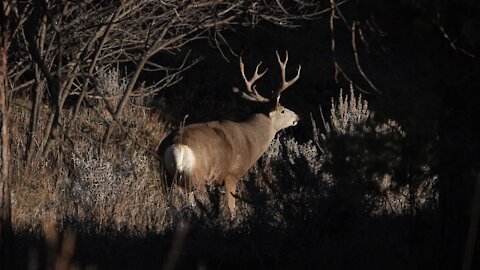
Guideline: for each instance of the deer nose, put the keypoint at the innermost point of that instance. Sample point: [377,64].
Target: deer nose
[297,119]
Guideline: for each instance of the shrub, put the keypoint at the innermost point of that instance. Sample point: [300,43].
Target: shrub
[363,155]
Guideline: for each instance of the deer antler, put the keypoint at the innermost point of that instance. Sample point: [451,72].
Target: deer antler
[251,93]
[285,84]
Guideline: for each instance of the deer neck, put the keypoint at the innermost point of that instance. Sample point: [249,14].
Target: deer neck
[262,130]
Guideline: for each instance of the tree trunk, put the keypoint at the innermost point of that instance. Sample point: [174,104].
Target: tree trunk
[5,181]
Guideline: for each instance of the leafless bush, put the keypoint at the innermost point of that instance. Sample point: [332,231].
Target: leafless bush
[348,115]
[108,187]
[362,156]
[114,192]
[110,84]
[288,149]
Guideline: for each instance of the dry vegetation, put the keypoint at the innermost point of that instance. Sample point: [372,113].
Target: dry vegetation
[122,189]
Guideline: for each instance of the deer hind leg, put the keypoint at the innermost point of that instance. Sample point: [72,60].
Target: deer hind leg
[230,191]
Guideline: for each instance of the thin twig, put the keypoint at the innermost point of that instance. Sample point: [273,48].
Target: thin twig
[357,61]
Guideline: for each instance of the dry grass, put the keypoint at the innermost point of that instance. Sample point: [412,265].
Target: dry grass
[116,186]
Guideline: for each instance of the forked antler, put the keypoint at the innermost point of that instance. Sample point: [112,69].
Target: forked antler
[251,93]
[285,84]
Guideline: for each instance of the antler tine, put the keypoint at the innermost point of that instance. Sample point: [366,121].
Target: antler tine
[283,67]
[251,91]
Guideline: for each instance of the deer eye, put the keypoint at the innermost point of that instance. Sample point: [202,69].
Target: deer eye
[283,111]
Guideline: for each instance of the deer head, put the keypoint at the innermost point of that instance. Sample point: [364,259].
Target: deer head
[280,116]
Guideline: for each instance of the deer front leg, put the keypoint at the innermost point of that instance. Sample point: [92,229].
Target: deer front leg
[230,191]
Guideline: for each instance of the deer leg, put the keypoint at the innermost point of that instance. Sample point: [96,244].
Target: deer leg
[230,191]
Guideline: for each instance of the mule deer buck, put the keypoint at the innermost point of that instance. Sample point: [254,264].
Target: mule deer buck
[221,152]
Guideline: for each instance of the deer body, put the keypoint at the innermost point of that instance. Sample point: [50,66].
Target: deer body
[221,152]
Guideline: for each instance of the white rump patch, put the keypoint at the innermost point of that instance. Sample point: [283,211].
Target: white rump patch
[179,159]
